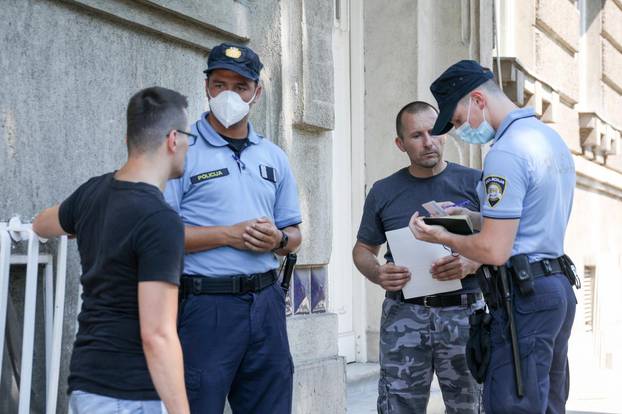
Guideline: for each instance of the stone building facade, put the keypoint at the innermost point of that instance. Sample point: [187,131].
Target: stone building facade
[565,59]
[336,73]
[562,57]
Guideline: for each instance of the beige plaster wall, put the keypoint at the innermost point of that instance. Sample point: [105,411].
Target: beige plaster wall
[407,45]
[594,238]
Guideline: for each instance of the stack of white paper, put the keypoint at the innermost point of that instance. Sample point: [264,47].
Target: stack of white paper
[418,257]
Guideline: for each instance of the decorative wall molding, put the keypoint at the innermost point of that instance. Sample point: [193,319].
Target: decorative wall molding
[559,20]
[187,21]
[612,66]
[525,89]
[311,25]
[611,27]
[601,141]
[465,22]
[597,178]
[597,135]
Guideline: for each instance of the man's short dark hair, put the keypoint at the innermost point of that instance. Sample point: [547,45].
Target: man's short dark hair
[152,114]
[411,108]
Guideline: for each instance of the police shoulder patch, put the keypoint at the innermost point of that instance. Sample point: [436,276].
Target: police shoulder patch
[495,188]
[209,175]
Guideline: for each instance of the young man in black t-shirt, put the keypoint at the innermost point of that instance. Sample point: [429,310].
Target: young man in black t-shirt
[424,335]
[127,356]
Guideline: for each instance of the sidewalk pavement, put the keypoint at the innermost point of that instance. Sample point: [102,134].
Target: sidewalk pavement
[592,391]
[362,389]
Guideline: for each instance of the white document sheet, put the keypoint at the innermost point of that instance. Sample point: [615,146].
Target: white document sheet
[418,257]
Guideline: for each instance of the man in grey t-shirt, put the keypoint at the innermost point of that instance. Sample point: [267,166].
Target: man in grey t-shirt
[425,335]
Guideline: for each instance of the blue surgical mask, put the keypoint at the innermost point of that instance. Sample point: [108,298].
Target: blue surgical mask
[480,135]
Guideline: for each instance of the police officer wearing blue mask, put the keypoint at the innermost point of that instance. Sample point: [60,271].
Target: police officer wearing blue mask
[526,196]
[239,204]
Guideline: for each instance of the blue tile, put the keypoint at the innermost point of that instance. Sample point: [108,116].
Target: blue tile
[318,289]
[289,310]
[302,281]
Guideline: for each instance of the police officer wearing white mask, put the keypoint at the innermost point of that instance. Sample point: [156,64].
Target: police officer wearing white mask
[239,204]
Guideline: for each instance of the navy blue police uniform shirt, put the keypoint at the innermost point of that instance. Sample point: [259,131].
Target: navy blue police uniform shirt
[126,234]
[392,201]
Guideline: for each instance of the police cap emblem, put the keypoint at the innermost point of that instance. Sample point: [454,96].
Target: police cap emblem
[495,188]
[233,52]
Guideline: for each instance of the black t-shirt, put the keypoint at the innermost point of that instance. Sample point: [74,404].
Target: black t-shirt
[236,144]
[126,234]
[393,200]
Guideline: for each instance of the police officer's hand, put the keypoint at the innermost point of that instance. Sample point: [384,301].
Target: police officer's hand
[262,236]
[236,234]
[453,267]
[392,277]
[425,232]
[476,217]
[451,209]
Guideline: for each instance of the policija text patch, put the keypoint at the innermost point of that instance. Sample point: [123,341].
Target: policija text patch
[209,175]
[495,187]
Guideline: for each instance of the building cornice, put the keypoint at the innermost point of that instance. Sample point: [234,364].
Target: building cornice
[597,178]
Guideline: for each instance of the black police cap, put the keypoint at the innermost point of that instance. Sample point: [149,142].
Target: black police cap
[455,83]
[239,59]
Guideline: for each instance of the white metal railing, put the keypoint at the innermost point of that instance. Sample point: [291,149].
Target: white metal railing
[15,232]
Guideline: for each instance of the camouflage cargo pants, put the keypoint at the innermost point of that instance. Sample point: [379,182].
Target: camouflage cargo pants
[417,341]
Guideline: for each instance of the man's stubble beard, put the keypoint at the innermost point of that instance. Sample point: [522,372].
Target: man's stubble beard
[428,163]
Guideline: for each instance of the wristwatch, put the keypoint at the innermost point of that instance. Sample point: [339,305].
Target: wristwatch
[283,242]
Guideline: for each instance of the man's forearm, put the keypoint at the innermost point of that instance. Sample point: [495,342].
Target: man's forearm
[367,263]
[475,247]
[205,238]
[47,223]
[476,219]
[165,362]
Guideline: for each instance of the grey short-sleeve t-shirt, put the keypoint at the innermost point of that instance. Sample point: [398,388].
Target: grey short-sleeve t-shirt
[393,200]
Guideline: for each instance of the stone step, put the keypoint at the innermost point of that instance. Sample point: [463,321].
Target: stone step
[359,375]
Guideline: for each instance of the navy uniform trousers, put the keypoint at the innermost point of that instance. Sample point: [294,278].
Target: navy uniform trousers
[236,346]
[544,321]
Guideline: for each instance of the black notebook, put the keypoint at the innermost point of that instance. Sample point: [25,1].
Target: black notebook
[453,224]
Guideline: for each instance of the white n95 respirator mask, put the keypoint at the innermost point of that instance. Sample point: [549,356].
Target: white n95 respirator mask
[229,108]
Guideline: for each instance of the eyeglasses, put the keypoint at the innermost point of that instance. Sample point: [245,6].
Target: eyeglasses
[192,139]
